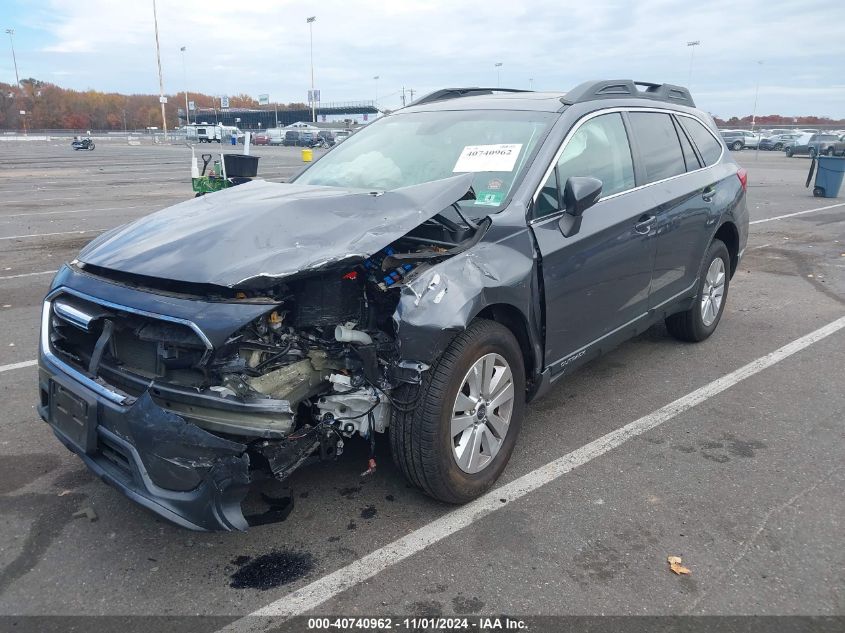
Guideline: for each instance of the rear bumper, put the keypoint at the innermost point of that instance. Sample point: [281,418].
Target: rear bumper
[177,470]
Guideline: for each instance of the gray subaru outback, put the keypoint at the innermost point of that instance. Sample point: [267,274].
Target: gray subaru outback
[424,280]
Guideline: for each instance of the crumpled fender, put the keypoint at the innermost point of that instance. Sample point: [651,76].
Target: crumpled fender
[445,298]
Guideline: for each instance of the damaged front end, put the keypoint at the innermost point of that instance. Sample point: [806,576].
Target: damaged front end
[186,390]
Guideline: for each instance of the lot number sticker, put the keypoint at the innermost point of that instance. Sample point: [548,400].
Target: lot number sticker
[500,157]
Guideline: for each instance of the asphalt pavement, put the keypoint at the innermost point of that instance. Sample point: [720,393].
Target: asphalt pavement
[743,482]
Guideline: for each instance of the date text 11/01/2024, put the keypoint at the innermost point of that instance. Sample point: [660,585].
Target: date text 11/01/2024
[420,623]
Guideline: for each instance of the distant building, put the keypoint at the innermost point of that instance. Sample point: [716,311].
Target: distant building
[329,115]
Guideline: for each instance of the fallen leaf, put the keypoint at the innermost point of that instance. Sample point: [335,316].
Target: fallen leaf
[675,566]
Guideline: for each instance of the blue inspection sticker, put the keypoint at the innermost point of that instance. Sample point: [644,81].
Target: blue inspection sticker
[489,198]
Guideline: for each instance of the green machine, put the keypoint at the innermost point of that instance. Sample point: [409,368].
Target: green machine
[230,170]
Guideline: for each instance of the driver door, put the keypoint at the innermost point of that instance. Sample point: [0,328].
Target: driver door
[596,282]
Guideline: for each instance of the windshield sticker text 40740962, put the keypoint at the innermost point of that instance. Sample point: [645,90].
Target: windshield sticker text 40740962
[500,157]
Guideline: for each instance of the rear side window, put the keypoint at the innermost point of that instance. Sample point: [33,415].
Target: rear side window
[689,153]
[658,144]
[708,147]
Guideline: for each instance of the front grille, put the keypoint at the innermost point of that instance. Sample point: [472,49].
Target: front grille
[140,344]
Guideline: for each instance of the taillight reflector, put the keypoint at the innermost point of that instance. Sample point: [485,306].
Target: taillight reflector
[743,178]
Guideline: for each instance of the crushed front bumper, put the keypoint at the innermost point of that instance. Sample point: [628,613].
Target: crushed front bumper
[174,468]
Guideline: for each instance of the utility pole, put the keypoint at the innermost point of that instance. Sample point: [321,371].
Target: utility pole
[411,91]
[310,22]
[11,32]
[756,92]
[403,96]
[691,46]
[161,97]
[498,66]
[185,85]
[376,80]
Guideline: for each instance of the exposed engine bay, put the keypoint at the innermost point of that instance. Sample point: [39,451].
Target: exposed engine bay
[318,366]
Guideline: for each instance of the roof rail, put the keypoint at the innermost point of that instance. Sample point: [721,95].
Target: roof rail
[455,93]
[627,89]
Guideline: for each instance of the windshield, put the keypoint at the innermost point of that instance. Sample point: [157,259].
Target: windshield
[409,149]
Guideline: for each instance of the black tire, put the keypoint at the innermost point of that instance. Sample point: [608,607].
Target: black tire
[689,325]
[778,146]
[736,146]
[818,192]
[789,152]
[420,437]
[91,147]
[830,151]
[812,152]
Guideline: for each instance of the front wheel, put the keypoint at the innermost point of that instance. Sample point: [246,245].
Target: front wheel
[789,152]
[736,146]
[830,151]
[453,435]
[812,152]
[700,321]
[91,147]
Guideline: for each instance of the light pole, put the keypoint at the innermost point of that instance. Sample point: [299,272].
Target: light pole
[185,84]
[498,66]
[691,46]
[756,92]
[376,80]
[531,83]
[10,33]
[161,98]
[310,21]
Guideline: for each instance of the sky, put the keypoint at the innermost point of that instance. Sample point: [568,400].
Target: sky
[262,47]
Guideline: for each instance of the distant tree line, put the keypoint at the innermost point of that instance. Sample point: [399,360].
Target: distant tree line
[49,106]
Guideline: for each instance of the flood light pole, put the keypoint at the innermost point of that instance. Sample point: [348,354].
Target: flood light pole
[756,92]
[310,21]
[160,80]
[376,80]
[691,46]
[185,82]
[498,66]
[10,33]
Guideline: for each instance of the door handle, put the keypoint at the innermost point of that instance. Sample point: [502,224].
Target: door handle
[708,192]
[644,224]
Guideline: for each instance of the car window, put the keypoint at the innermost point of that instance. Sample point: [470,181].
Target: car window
[599,149]
[709,148]
[690,158]
[410,148]
[658,145]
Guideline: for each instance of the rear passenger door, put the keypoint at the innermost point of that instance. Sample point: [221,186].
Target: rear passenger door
[595,282]
[682,192]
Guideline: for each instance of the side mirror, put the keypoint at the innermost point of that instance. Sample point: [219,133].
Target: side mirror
[579,194]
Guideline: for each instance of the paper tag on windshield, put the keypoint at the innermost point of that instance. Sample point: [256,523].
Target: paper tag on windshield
[500,157]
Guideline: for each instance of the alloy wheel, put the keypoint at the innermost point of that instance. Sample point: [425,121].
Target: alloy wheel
[482,413]
[713,291]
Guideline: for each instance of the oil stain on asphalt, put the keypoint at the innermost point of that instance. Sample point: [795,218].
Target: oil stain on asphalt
[272,570]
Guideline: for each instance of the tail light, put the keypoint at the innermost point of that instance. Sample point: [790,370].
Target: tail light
[743,178]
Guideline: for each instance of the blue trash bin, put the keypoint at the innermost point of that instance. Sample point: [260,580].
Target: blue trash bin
[829,174]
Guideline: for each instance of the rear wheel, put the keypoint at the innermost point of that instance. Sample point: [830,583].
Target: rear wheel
[818,192]
[789,152]
[700,321]
[736,145]
[830,151]
[778,146]
[812,152]
[456,437]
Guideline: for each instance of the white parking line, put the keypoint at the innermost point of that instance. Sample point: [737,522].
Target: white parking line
[329,586]
[790,215]
[21,215]
[43,272]
[20,237]
[21,365]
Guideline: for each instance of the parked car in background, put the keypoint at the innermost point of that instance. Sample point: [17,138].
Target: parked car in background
[261,139]
[342,136]
[328,136]
[815,144]
[291,138]
[306,138]
[777,142]
[740,139]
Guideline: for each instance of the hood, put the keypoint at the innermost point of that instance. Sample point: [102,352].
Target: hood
[264,231]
